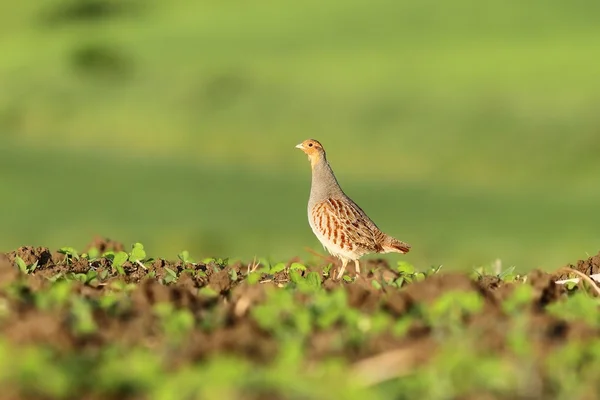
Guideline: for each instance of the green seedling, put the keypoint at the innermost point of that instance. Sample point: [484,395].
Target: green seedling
[434,270]
[233,275]
[495,269]
[103,274]
[305,284]
[170,276]
[185,257]
[297,267]
[217,263]
[118,260]
[295,277]
[137,253]
[89,278]
[408,274]
[200,274]
[279,267]
[151,275]
[92,254]
[265,263]
[254,277]
[23,267]
[313,280]
[405,268]
[70,254]
[571,285]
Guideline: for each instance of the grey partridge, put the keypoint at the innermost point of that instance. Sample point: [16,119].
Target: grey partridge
[341,226]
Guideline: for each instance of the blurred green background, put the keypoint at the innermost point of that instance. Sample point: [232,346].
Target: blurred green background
[469,129]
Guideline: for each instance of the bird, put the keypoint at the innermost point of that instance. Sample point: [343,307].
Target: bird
[341,226]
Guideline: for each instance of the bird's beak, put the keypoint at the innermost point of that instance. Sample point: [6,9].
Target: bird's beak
[299,146]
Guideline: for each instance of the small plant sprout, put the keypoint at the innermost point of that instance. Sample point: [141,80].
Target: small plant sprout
[185,257]
[92,254]
[297,267]
[23,267]
[118,260]
[138,254]
[70,254]
[170,276]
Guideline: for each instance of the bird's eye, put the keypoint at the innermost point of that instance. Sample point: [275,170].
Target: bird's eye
[310,145]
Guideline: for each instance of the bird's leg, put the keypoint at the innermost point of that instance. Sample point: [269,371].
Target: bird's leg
[357,267]
[341,273]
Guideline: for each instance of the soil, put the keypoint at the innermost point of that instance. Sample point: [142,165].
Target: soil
[235,332]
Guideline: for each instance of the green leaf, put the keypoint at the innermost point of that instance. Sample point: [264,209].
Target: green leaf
[137,252]
[571,285]
[506,272]
[93,253]
[109,255]
[233,275]
[253,278]
[279,267]
[376,284]
[420,276]
[201,274]
[119,259]
[295,277]
[171,272]
[70,252]
[313,279]
[185,257]
[21,264]
[33,266]
[405,268]
[434,270]
[347,278]
[298,267]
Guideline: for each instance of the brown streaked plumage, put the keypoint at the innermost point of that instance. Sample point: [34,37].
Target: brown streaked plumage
[341,226]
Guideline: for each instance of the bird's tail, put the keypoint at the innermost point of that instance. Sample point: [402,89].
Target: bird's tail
[393,245]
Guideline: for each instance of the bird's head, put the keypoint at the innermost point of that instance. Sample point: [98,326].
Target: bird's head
[313,149]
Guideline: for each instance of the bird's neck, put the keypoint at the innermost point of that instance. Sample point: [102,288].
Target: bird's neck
[324,183]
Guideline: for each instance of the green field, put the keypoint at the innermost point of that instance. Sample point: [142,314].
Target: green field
[115,323]
[469,130]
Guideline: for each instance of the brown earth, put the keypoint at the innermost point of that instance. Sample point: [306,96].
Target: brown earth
[235,331]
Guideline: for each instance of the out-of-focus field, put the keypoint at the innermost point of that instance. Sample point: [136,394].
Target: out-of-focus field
[469,130]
